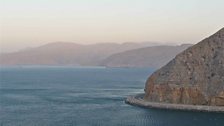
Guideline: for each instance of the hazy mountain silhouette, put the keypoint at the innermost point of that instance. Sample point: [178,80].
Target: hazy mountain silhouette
[103,54]
[66,53]
[155,56]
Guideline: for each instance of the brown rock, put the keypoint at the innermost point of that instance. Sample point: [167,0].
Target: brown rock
[195,76]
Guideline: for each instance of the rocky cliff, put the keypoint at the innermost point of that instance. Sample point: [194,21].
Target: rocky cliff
[195,76]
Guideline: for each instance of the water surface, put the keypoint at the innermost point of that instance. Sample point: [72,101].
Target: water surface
[67,96]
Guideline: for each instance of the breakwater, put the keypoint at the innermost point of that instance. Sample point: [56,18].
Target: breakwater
[139,101]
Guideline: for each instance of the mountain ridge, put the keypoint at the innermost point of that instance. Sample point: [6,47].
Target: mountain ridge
[67,53]
[155,56]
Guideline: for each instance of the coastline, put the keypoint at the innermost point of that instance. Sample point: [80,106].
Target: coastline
[138,100]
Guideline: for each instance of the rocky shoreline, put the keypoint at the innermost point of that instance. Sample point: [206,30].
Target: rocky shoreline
[138,100]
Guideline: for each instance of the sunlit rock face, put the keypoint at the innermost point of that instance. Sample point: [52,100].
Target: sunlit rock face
[195,76]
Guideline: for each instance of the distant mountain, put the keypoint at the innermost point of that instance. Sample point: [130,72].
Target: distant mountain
[65,53]
[102,54]
[155,56]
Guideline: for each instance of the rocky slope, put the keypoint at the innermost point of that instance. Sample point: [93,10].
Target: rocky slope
[195,76]
[155,56]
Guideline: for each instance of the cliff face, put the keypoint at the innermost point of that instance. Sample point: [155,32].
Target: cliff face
[195,76]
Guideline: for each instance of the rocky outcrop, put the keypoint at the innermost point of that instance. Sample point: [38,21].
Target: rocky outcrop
[195,76]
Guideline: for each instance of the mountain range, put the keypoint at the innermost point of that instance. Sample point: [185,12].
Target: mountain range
[155,56]
[102,54]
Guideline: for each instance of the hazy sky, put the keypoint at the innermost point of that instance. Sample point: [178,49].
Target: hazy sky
[27,23]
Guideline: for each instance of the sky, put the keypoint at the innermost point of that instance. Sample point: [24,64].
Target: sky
[30,23]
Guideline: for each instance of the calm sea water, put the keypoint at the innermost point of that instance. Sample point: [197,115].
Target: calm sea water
[63,96]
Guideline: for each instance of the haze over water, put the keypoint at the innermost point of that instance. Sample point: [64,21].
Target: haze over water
[93,96]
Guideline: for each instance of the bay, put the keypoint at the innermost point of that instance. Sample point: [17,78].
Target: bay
[84,96]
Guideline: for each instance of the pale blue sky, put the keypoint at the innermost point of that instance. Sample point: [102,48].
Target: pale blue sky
[27,23]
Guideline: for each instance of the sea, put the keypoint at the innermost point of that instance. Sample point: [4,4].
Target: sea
[84,96]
